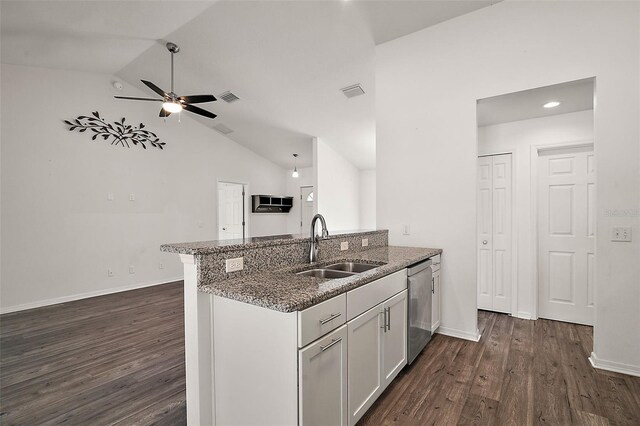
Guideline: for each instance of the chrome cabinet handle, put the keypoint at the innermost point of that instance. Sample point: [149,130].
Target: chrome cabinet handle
[389,318]
[331,318]
[485,242]
[333,342]
[384,320]
[433,285]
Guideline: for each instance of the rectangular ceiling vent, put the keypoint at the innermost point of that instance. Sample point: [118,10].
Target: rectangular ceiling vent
[222,129]
[229,97]
[352,91]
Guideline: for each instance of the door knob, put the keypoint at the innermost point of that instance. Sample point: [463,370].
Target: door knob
[484,242]
[224,229]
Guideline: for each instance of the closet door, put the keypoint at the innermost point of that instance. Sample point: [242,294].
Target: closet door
[494,233]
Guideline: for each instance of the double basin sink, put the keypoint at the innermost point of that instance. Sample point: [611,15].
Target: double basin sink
[338,270]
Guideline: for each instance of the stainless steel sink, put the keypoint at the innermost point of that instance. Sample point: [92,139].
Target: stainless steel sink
[325,273]
[351,267]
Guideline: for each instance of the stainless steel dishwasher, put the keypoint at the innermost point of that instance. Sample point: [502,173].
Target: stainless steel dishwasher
[419,310]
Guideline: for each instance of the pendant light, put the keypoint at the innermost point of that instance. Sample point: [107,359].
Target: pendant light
[295,173]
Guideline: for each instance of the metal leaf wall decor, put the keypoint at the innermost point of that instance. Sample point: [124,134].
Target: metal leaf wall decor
[119,132]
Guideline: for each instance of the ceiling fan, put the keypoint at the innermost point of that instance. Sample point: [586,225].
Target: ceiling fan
[171,102]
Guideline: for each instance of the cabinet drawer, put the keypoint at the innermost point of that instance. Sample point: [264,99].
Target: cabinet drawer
[320,319]
[369,295]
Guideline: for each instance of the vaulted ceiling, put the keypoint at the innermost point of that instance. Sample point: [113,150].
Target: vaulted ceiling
[285,60]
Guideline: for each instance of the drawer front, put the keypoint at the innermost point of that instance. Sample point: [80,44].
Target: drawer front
[320,319]
[369,295]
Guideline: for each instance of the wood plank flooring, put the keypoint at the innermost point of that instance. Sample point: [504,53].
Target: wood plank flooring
[115,359]
[520,373]
[119,360]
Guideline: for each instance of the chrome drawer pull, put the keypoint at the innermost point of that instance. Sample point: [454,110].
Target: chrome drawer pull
[331,318]
[333,342]
[389,318]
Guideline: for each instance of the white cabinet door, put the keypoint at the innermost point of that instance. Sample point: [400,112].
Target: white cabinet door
[394,337]
[435,300]
[323,381]
[365,361]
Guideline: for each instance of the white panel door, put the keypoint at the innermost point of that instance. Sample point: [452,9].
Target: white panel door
[494,233]
[306,208]
[566,235]
[394,338]
[365,361]
[230,211]
[323,381]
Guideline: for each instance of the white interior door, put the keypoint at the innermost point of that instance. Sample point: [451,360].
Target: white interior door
[566,235]
[494,233]
[306,207]
[230,211]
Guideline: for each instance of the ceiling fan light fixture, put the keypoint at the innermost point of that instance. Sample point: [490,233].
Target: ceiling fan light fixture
[172,107]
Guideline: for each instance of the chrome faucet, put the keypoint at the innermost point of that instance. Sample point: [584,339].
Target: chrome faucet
[315,239]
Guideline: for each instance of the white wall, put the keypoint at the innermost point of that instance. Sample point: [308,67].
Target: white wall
[427,86]
[518,137]
[368,199]
[337,188]
[306,178]
[60,234]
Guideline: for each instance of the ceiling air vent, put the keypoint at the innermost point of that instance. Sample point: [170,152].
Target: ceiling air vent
[222,129]
[229,97]
[352,91]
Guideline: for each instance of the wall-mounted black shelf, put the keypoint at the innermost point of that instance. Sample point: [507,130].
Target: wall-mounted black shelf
[271,204]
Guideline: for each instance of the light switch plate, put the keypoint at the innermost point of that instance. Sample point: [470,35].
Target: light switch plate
[235,264]
[365,242]
[132,269]
[406,230]
[344,245]
[621,234]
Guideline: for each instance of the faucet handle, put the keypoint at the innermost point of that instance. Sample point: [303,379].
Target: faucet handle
[325,233]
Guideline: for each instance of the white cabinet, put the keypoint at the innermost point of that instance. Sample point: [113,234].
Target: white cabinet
[435,300]
[377,352]
[323,381]
[394,338]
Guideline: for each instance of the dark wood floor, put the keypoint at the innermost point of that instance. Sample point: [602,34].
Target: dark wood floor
[115,359]
[520,373]
[119,359]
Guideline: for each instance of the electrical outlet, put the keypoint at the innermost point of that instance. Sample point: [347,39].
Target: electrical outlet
[621,234]
[110,196]
[160,265]
[132,197]
[365,242]
[236,264]
[406,230]
[132,269]
[344,245]
[109,272]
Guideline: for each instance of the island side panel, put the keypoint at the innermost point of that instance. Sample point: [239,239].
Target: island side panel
[256,369]
[198,330]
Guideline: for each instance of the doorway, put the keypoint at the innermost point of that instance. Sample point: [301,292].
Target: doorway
[494,233]
[306,207]
[232,223]
[566,187]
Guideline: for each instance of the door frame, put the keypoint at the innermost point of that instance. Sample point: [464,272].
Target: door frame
[514,232]
[314,203]
[246,200]
[535,157]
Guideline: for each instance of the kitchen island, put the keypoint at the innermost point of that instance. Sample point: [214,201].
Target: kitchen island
[246,331]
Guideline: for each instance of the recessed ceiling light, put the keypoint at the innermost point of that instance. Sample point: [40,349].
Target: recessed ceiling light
[551,104]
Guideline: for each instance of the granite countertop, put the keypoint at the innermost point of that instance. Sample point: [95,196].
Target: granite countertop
[219,246]
[284,291]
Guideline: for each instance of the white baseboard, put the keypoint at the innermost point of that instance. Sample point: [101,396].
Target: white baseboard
[452,332]
[71,298]
[524,315]
[616,367]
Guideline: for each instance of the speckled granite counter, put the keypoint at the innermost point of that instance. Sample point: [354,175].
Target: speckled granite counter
[283,290]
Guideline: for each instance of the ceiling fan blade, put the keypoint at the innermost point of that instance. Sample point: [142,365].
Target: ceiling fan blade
[137,99]
[197,99]
[155,88]
[200,111]
[164,113]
